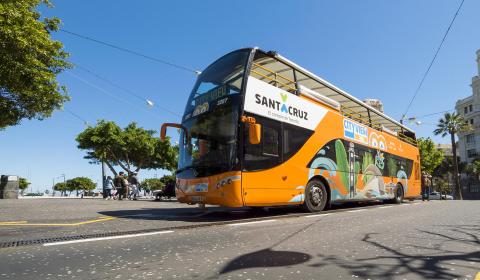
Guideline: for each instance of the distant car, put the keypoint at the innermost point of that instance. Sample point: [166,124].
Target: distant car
[437,196]
[447,197]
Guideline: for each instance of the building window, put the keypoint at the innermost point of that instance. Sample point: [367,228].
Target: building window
[470,138]
[465,110]
[470,107]
[471,121]
[471,153]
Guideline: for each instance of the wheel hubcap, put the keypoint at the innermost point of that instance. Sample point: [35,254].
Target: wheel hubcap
[399,193]
[316,195]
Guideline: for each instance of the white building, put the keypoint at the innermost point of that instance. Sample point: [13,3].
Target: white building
[469,108]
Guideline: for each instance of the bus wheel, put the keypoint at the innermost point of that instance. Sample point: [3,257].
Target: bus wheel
[399,195]
[315,196]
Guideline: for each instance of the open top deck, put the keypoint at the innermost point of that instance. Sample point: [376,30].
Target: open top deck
[283,73]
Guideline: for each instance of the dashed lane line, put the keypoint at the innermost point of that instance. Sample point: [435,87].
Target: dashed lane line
[107,238]
[251,223]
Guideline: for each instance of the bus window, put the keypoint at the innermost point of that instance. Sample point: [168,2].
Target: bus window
[270,141]
[266,154]
[293,139]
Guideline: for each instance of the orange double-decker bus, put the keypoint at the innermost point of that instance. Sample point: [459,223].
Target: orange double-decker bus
[259,130]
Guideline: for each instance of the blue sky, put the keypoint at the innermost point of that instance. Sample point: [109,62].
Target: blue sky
[372,49]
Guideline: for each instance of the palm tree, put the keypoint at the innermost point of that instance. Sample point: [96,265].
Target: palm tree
[452,124]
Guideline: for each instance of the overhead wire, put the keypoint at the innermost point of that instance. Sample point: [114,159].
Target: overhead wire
[109,93]
[433,114]
[433,60]
[181,67]
[125,89]
[85,122]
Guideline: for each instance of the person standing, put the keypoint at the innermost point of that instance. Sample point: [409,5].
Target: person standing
[134,183]
[108,188]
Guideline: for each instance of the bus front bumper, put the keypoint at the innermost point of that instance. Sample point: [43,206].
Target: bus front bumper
[223,189]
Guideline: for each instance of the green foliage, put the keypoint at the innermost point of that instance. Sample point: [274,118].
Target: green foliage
[80,183]
[158,184]
[447,167]
[132,148]
[168,179]
[342,163]
[475,166]
[61,187]
[23,183]
[442,186]
[152,184]
[452,124]
[29,63]
[430,156]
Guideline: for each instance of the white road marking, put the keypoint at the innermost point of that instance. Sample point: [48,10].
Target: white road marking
[316,215]
[107,238]
[358,210]
[390,206]
[251,223]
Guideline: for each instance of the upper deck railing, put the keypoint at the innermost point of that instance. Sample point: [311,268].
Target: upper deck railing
[281,81]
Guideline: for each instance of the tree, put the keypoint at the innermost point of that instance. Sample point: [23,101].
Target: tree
[452,124]
[152,184]
[430,156]
[23,184]
[443,187]
[29,63]
[168,179]
[61,187]
[80,184]
[476,168]
[132,148]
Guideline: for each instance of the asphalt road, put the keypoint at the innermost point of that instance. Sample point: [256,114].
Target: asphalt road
[435,240]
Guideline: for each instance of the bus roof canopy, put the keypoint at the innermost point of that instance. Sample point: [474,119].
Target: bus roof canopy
[351,106]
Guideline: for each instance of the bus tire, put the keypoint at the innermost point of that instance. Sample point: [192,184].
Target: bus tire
[316,196]
[399,194]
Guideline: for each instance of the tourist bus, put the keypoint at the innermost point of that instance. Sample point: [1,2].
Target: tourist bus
[259,130]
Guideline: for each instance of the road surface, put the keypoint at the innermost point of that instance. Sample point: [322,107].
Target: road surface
[431,240]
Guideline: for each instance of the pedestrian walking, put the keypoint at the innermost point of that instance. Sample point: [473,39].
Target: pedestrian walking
[121,185]
[108,188]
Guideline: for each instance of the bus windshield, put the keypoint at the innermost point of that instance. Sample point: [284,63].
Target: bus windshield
[208,142]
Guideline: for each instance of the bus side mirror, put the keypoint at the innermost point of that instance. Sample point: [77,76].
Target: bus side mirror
[254,133]
[163,130]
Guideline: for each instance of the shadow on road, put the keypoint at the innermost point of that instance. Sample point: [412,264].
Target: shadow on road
[441,263]
[217,214]
[266,258]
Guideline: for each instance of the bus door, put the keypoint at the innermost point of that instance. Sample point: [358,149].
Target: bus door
[265,180]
